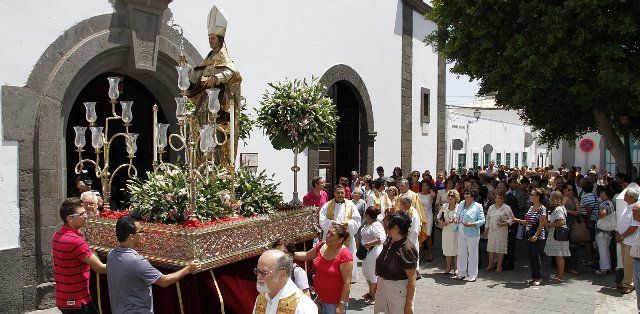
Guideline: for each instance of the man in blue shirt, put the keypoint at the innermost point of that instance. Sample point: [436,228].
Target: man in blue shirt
[130,275]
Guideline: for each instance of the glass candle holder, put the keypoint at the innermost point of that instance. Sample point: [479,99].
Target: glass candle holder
[97,138]
[127,115]
[205,138]
[181,107]
[90,112]
[162,135]
[132,146]
[183,77]
[114,93]
[80,140]
[213,101]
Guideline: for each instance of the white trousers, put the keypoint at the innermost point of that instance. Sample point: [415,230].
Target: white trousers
[603,240]
[391,296]
[467,255]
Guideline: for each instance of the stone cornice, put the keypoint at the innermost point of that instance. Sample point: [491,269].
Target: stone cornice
[418,6]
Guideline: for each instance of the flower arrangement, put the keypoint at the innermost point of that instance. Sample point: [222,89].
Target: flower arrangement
[164,196]
[297,114]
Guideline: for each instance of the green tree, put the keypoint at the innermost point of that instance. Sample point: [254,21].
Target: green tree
[569,67]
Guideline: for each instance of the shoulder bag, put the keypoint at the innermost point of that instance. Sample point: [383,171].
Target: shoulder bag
[580,232]
[608,222]
[562,233]
[362,252]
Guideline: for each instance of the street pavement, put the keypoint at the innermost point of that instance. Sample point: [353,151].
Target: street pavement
[506,292]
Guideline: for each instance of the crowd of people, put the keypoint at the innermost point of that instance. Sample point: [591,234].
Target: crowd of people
[560,213]
[388,223]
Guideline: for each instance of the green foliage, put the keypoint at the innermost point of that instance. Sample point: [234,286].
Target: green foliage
[164,197]
[246,124]
[297,114]
[259,193]
[555,61]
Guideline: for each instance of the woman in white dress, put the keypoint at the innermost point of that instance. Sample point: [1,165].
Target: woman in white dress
[427,195]
[499,217]
[445,220]
[373,237]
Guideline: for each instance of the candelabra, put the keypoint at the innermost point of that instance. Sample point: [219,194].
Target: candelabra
[102,142]
[193,136]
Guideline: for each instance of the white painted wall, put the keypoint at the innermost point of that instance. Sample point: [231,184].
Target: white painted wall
[505,137]
[582,159]
[425,74]
[29,27]
[269,41]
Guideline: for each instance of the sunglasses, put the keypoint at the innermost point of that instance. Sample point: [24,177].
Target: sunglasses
[262,273]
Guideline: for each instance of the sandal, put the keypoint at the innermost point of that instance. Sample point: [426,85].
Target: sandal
[372,302]
[498,270]
[367,296]
[530,280]
[537,282]
[555,277]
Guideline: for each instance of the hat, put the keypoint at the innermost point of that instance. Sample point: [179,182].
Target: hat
[217,22]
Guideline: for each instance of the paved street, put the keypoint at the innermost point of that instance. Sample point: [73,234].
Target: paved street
[506,292]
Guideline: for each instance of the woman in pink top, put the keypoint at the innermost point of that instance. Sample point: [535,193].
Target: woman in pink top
[333,264]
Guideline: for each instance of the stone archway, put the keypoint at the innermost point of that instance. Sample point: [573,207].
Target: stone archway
[346,74]
[136,41]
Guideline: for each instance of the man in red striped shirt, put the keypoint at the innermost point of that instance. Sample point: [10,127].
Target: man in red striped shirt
[72,258]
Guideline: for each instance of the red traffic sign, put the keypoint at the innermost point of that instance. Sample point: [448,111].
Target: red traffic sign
[587,145]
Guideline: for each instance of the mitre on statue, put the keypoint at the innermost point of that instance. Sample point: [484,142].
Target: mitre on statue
[217,22]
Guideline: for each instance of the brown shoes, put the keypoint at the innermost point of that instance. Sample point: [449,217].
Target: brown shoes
[626,290]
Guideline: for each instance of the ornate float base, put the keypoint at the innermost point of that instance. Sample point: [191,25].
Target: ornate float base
[214,246]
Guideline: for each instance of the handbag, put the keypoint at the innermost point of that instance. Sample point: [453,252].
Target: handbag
[561,234]
[608,222]
[580,232]
[362,252]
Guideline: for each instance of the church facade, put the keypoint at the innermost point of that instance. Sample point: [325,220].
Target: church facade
[388,85]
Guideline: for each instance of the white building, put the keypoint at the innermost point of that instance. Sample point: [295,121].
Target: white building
[600,156]
[389,88]
[508,140]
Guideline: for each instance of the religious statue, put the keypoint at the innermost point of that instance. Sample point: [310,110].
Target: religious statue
[218,71]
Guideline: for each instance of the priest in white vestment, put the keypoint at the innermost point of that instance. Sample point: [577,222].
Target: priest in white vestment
[278,294]
[343,211]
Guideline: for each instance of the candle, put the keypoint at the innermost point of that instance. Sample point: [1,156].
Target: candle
[232,136]
[155,134]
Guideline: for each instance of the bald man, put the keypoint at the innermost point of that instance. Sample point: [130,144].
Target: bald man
[278,294]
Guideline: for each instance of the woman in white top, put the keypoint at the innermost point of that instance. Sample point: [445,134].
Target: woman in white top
[392,195]
[441,196]
[445,218]
[427,195]
[499,218]
[373,237]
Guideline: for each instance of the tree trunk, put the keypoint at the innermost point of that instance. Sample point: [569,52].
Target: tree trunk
[614,144]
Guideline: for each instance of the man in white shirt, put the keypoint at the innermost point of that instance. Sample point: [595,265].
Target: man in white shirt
[626,233]
[278,294]
[404,204]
